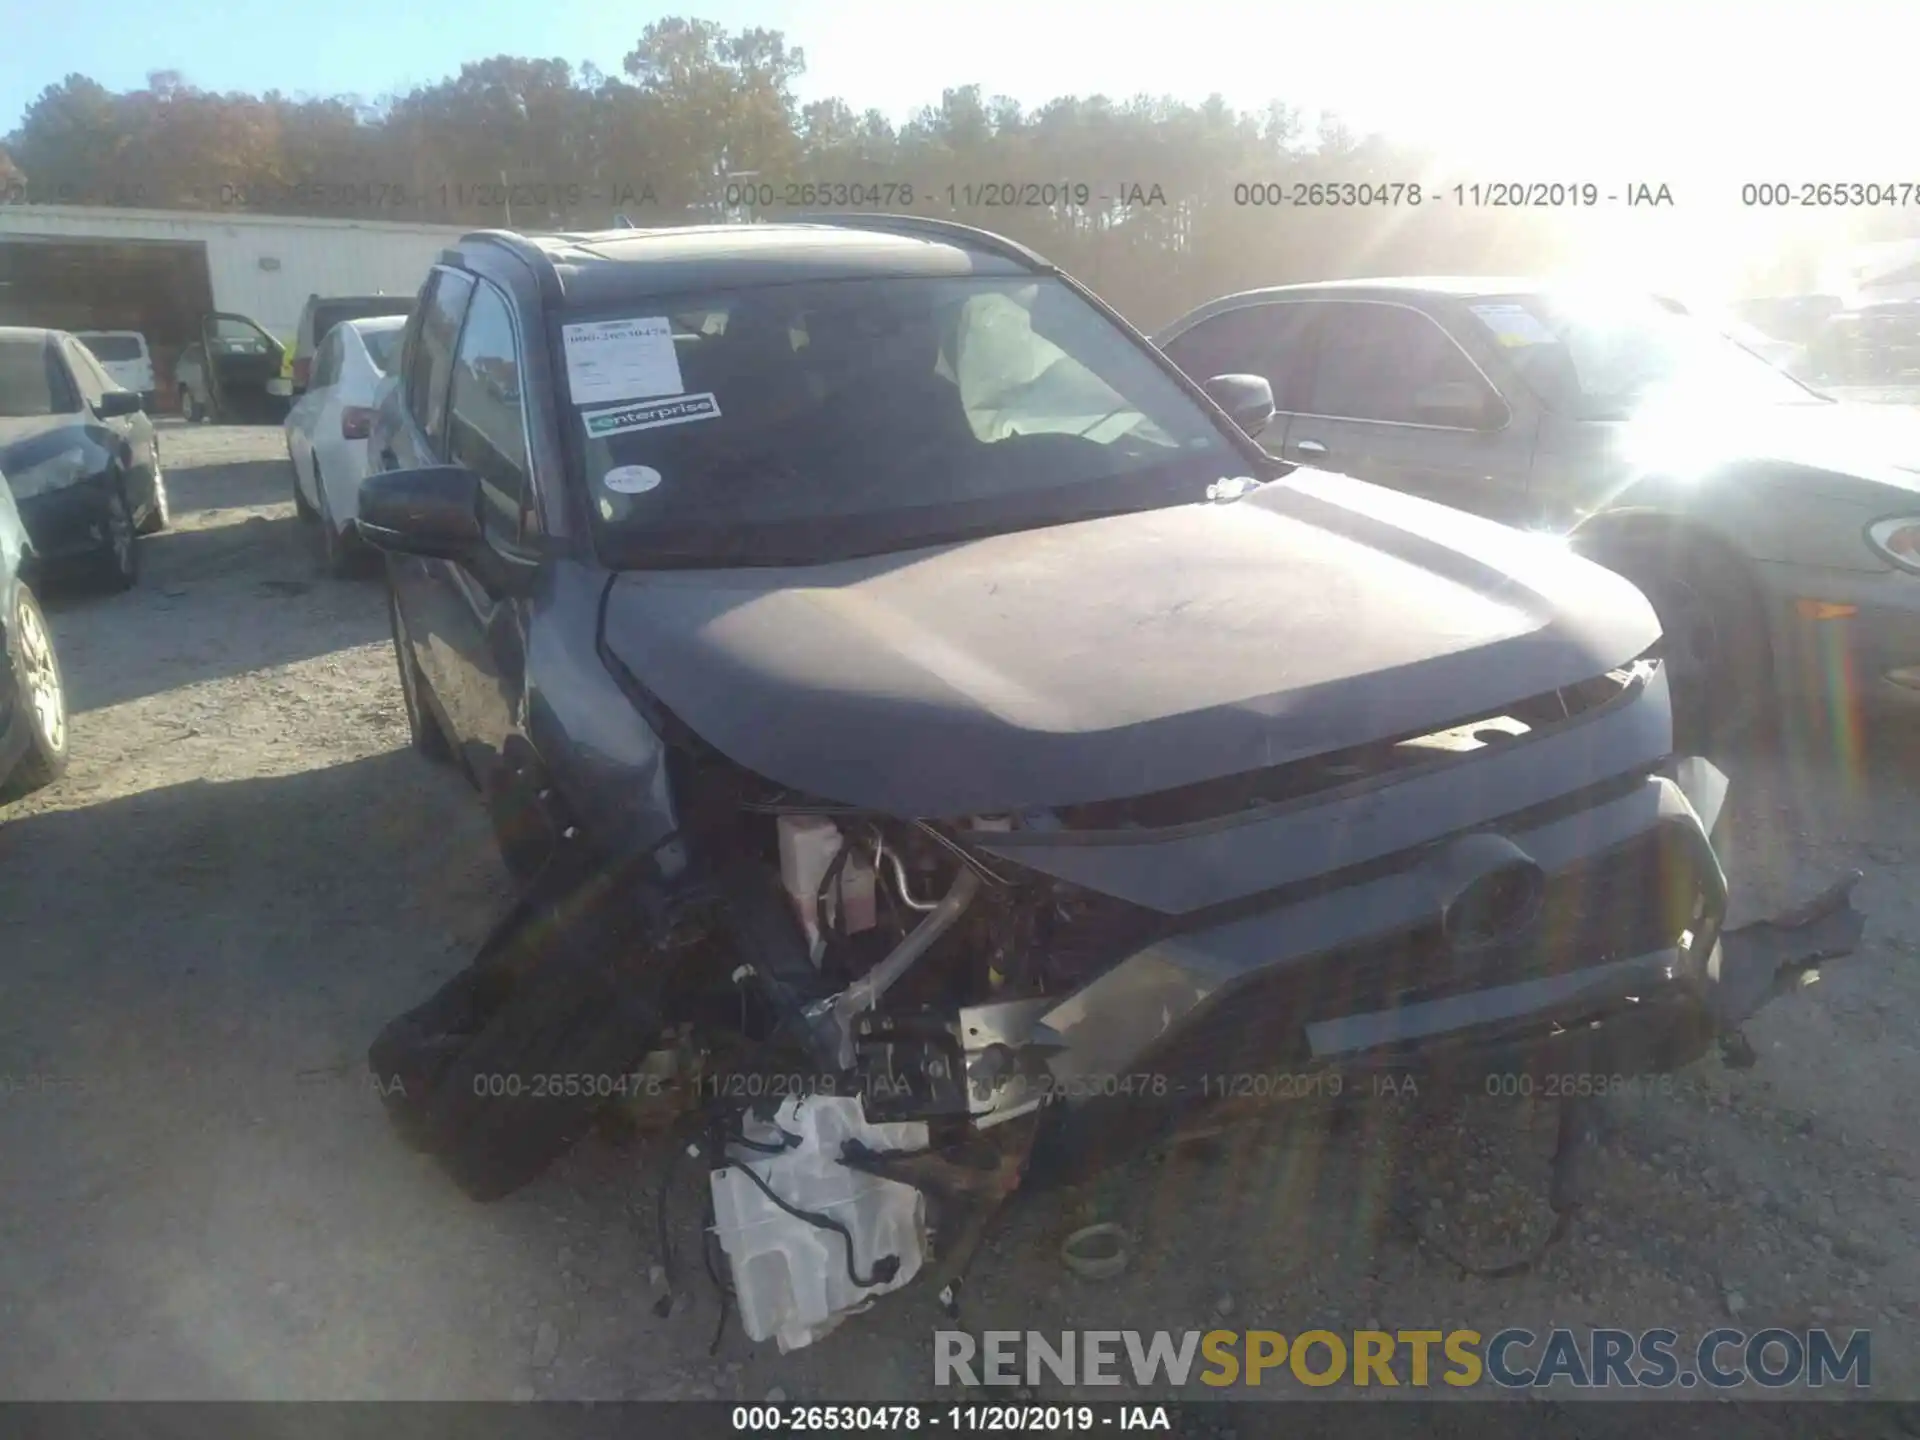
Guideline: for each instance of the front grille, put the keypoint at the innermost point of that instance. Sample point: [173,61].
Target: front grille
[1623,902]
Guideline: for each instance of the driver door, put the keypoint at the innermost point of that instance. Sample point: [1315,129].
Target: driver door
[241,359]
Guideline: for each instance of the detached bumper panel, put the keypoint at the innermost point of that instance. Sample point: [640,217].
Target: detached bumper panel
[1351,1035]
[1627,874]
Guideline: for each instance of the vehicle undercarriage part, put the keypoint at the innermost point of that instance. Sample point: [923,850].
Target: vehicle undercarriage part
[810,1240]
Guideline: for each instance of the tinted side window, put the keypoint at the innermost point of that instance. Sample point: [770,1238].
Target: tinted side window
[1375,359]
[92,384]
[90,363]
[431,361]
[484,426]
[1265,340]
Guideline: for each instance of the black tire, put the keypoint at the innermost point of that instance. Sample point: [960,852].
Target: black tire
[116,565]
[1713,640]
[423,726]
[302,507]
[31,657]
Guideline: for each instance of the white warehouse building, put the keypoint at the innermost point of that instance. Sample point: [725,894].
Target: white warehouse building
[72,267]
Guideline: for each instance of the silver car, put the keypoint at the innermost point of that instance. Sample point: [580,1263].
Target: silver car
[1776,531]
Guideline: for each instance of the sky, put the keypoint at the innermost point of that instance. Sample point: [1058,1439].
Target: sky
[1567,82]
[1700,96]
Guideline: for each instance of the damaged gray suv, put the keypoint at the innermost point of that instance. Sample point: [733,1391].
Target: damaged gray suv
[939,749]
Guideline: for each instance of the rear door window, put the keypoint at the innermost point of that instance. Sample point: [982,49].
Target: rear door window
[87,374]
[114,347]
[31,382]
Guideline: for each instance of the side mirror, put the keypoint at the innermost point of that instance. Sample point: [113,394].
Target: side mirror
[116,403]
[1247,399]
[434,512]
[1457,402]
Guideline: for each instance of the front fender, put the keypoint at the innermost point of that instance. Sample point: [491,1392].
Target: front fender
[607,763]
[1760,511]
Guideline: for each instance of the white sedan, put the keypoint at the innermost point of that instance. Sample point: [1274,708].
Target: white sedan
[327,431]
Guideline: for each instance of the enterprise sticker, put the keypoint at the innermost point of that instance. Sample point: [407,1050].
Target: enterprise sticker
[652,414]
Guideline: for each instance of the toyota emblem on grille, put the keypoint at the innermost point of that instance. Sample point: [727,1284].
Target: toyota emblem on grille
[1490,891]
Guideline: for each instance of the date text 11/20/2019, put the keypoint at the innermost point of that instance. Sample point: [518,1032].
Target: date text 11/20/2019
[1475,195]
[977,195]
[959,1419]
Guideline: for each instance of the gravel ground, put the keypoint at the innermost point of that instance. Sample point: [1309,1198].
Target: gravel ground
[245,873]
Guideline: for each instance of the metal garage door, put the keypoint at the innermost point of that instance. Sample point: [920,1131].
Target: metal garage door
[159,287]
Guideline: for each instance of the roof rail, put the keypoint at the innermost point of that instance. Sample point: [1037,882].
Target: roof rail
[928,228]
[527,253]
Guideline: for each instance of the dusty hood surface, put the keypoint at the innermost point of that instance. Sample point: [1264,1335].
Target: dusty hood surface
[1120,656]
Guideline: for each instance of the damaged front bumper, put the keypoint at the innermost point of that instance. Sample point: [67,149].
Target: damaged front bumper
[1625,970]
[1347,993]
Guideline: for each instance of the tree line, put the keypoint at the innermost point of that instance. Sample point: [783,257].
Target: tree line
[1157,203]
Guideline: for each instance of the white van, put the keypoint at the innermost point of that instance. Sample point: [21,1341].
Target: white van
[123,354]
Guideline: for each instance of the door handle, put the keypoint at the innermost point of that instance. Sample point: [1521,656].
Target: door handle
[1310,447]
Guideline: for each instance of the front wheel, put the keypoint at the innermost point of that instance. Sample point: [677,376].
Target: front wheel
[40,690]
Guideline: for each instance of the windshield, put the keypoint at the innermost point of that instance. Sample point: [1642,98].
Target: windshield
[26,378]
[798,423]
[1604,358]
[380,347]
[113,347]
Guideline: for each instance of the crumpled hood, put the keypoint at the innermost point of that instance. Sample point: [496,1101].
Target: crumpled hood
[1120,656]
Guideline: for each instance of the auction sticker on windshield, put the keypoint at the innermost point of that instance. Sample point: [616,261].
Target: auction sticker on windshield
[621,360]
[1515,325]
[631,479]
[651,414]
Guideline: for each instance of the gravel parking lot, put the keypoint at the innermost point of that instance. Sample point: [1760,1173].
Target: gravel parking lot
[245,873]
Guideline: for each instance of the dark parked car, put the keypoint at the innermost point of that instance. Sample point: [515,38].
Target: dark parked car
[81,454]
[1776,531]
[33,703]
[318,316]
[909,702]
[232,374]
